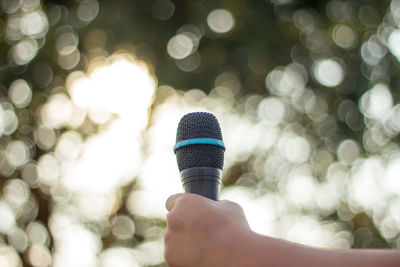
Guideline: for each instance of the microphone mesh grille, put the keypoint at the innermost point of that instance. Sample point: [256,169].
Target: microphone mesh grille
[199,125]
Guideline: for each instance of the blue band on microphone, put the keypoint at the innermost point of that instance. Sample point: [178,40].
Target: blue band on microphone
[199,141]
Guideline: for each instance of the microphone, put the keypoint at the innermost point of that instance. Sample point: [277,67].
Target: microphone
[199,153]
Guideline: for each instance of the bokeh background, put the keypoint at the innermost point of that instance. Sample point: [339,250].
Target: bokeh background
[91,93]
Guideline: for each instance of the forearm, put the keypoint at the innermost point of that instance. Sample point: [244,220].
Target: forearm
[357,257]
[266,251]
[205,233]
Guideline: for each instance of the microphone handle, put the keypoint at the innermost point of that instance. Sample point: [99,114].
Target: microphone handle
[205,181]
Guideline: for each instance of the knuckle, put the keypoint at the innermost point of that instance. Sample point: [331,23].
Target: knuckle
[232,204]
[170,218]
[235,206]
[169,257]
[174,222]
[167,237]
[186,200]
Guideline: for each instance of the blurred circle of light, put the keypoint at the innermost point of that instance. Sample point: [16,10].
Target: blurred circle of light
[29,174]
[389,228]
[57,110]
[220,20]
[37,233]
[122,227]
[75,245]
[316,108]
[29,210]
[152,208]
[347,152]
[328,72]
[77,118]
[54,14]
[374,139]
[344,36]
[271,110]
[377,102]
[9,257]
[29,5]
[151,253]
[69,61]
[10,6]
[190,63]
[162,9]
[34,24]
[69,145]
[288,81]
[48,168]
[39,256]
[18,239]
[24,51]
[88,10]
[67,40]
[17,153]
[394,8]
[372,51]
[392,181]
[369,16]
[106,203]
[99,116]
[327,197]
[228,80]
[16,192]
[366,178]
[394,43]
[301,188]
[180,46]
[13,30]
[394,120]
[193,32]
[44,137]
[295,148]
[118,256]
[304,20]
[20,93]
[7,221]
[10,122]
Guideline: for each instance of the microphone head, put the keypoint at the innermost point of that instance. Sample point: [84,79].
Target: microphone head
[199,125]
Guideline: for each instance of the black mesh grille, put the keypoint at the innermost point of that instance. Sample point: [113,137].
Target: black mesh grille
[199,125]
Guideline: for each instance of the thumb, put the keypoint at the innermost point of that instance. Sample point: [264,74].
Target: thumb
[171,201]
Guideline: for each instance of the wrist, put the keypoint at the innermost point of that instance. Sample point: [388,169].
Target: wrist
[259,250]
[250,249]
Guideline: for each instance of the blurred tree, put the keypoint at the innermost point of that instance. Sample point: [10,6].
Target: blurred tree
[331,66]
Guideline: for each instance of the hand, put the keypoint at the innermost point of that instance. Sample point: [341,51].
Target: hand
[203,232]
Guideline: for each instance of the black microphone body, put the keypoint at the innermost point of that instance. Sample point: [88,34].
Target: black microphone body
[205,181]
[200,151]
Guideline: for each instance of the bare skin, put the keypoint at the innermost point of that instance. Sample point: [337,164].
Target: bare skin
[205,233]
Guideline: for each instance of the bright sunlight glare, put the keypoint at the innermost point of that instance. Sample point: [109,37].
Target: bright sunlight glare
[101,164]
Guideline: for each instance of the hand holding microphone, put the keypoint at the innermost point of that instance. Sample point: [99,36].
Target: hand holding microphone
[199,152]
[201,231]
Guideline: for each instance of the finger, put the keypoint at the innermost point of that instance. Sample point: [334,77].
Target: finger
[170,203]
